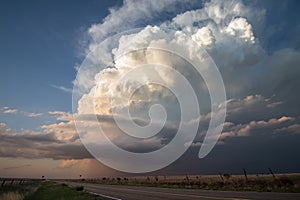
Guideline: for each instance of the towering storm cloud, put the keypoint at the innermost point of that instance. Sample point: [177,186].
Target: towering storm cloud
[254,80]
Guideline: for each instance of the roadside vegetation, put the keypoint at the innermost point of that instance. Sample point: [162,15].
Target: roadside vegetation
[17,191]
[50,191]
[259,183]
[44,191]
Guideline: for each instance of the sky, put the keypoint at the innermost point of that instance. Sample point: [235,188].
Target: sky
[49,47]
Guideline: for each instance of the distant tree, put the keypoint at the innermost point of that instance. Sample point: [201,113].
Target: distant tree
[79,188]
[80,176]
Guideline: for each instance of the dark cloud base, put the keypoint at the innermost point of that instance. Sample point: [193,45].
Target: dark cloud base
[256,154]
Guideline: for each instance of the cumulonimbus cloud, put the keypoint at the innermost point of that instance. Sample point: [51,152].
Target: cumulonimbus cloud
[225,29]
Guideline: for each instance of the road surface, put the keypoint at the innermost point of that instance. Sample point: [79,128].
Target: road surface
[117,192]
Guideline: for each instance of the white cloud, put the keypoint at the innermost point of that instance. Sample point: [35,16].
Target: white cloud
[239,27]
[7,110]
[56,141]
[4,128]
[223,28]
[62,116]
[251,103]
[31,114]
[10,111]
[63,131]
[295,129]
[204,37]
[262,126]
[131,13]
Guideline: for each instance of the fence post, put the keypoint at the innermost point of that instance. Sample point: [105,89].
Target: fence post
[221,176]
[245,173]
[187,179]
[3,182]
[271,172]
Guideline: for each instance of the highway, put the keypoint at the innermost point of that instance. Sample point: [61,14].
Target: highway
[117,192]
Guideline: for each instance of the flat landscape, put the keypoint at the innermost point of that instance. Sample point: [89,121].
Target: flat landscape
[257,182]
[119,192]
[222,186]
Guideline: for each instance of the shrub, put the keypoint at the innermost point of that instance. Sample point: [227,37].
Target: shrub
[79,188]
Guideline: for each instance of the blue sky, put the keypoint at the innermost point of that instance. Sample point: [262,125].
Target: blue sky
[256,48]
[40,46]
[282,24]
[41,43]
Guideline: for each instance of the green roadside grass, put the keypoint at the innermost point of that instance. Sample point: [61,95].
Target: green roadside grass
[50,191]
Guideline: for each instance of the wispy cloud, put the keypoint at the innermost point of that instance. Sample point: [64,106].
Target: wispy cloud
[8,110]
[16,167]
[31,114]
[62,88]
[295,129]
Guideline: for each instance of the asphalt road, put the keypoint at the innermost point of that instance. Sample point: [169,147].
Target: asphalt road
[114,192]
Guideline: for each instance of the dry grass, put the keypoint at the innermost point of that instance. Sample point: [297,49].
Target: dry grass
[266,182]
[11,196]
[17,191]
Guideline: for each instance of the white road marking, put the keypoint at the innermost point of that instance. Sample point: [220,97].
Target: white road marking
[158,192]
[182,195]
[102,195]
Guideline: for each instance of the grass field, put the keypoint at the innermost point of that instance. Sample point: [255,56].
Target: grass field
[44,191]
[49,190]
[17,191]
[260,183]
